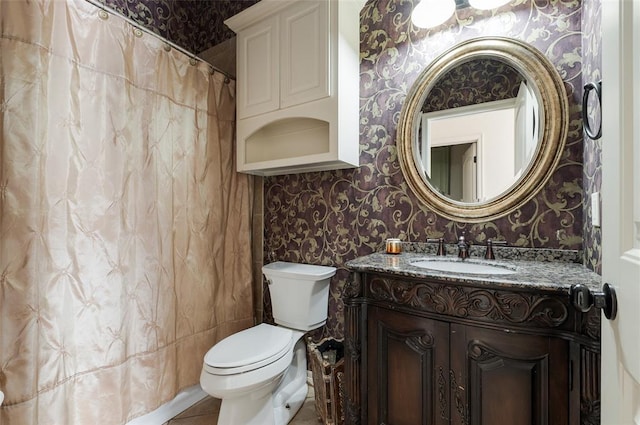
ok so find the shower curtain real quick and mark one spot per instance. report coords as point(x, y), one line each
point(124, 229)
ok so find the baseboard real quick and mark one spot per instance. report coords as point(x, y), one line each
point(185, 399)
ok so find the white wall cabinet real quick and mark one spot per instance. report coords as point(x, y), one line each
point(297, 86)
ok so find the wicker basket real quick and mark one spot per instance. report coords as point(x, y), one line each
point(327, 369)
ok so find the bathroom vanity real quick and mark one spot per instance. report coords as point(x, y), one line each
point(432, 347)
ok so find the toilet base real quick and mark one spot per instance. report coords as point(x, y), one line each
point(284, 414)
point(249, 410)
point(290, 395)
point(262, 411)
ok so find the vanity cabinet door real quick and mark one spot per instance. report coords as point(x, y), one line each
point(499, 377)
point(408, 359)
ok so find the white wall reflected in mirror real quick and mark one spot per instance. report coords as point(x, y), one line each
point(475, 153)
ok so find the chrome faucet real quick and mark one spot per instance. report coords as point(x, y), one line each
point(463, 248)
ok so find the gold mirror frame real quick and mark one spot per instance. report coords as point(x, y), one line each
point(549, 89)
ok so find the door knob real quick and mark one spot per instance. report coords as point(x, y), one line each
point(583, 299)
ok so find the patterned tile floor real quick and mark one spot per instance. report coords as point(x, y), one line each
point(206, 411)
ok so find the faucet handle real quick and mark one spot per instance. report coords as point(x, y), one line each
point(463, 247)
point(440, 242)
point(489, 255)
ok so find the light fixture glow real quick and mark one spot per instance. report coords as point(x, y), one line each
point(487, 4)
point(431, 13)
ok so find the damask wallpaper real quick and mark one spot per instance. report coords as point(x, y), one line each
point(332, 217)
point(194, 25)
point(476, 81)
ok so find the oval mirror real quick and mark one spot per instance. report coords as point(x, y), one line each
point(483, 128)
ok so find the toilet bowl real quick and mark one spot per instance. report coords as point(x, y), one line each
point(260, 373)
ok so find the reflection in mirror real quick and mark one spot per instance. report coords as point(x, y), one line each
point(478, 130)
point(482, 128)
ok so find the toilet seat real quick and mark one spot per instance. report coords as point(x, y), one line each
point(249, 349)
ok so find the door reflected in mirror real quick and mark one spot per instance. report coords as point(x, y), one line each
point(478, 130)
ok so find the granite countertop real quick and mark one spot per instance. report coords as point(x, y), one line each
point(548, 275)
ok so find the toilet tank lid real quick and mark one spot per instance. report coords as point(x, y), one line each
point(298, 271)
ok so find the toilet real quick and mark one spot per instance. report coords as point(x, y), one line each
point(260, 373)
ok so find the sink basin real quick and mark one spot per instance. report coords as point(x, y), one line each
point(458, 266)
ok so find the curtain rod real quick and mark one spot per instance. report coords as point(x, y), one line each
point(99, 4)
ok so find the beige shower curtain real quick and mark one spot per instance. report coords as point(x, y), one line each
point(124, 230)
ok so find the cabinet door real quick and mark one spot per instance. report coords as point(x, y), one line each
point(304, 52)
point(408, 362)
point(498, 377)
point(258, 68)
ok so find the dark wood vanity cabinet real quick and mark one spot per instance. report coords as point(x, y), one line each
point(508, 379)
point(422, 352)
point(407, 356)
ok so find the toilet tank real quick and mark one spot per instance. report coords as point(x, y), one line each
point(299, 294)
